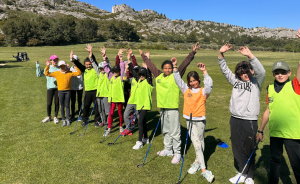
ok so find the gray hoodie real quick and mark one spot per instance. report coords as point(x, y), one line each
point(244, 102)
point(77, 81)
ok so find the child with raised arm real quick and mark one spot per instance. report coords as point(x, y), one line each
point(282, 113)
point(52, 92)
point(167, 93)
point(116, 92)
point(244, 108)
point(194, 102)
point(63, 78)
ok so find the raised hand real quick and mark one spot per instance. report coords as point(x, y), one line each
point(103, 50)
point(129, 51)
point(201, 66)
point(144, 65)
point(174, 61)
point(225, 48)
point(196, 47)
point(147, 54)
point(71, 54)
point(47, 62)
point(126, 67)
point(140, 51)
point(298, 34)
point(121, 51)
point(246, 52)
point(89, 49)
point(128, 57)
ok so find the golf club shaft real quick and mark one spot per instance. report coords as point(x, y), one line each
point(187, 135)
point(78, 117)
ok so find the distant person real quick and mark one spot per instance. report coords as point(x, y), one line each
point(244, 108)
point(282, 113)
point(52, 92)
point(64, 78)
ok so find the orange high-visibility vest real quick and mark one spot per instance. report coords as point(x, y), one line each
point(194, 103)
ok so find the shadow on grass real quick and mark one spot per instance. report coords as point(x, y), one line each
point(10, 66)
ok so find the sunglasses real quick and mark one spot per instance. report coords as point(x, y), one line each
point(281, 72)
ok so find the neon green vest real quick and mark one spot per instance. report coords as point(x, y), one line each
point(103, 86)
point(144, 95)
point(132, 98)
point(284, 120)
point(90, 79)
point(167, 92)
point(116, 90)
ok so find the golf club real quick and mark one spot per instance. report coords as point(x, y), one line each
point(133, 117)
point(248, 160)
point(187, 135)
point(106, 124)
point(77, 120)
point(88, 120)
point(141, 165)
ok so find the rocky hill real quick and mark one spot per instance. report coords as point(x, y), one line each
point(147, 22)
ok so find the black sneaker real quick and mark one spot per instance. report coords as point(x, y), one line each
point(83, 124)
point(97, 124)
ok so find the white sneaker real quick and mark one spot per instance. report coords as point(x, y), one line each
point(46, 119)
point(249, 181)
point(176, 159)
point(121, 129)
point(242, 179)
point(107, 132)
point(194, 168)
point(145, 141)
point(165, 153)
point(138, 145)
point(208, 176)
point(56, 120)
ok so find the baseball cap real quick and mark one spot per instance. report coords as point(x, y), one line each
point(75, 57)
point(116, 69)
point(61, 63)
point(143, 71)
point(53, 57)
point(281, 65)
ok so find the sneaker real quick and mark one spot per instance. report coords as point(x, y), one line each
point(83, 124)
point(208, 176)
point(46, 119)
point(96, 124)
point(236, 177)
point(176, 159)
point(121, 129)
point(56, 120)
point(249, 181)
point(131, 127)
point(194, 168)
point(64, 123)
point(107, 132)
point(126, 132)
point(102, 124)
point(72, 119)
point(145, 141)
point(138, 145)
point(68, 123)
point(79, 118)
point(165, 153)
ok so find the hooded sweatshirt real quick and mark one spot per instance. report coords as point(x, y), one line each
point(244, 102)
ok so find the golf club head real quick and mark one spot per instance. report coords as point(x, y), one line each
point(81, 134)
point(109, 144)
point(72, 133)
point(101, 141)
point(178, 182)
point(141, 165)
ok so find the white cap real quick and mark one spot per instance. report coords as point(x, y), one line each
point(75, 57)
point(61, 63)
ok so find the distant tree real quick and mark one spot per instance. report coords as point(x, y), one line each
point(192, 37)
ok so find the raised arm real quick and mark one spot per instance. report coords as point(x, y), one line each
point(223, 66)
point(208, 82)
point(258, 68)
point(47, 73)
point(187, 60)
point(150, 65)
point(39, 72)
point(122, 67)
point(149, 74)
point(179, 82)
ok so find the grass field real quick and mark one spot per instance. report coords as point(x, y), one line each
point(32, 152)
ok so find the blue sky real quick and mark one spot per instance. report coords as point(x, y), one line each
point(251, 13)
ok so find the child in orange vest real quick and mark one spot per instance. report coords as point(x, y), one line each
point(194, 102)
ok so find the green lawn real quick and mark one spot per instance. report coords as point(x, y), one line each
point(32, 152)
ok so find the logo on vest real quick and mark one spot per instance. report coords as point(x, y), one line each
point(158, 80)
point(190, 95)
point(279, 64)
point(271, 99)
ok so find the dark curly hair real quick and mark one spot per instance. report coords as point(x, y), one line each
point(195, 76)
point(87, 60)
point(243, 67)
point(165, 63)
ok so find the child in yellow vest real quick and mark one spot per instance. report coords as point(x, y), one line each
point(194, 102)
point(167, 93)
point(63, 79)
point(282, 113)
point(116, 92)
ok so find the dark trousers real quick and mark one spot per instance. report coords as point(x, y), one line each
point(142, 124)
point(292, 148)
point(64, 98)
point(89, 98)
point(73, 101)
point(243, 140)
point(52, 93)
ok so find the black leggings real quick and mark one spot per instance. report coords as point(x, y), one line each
point(142, 124)
point(52, 93)
point(73, 101)
point(64, 98)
